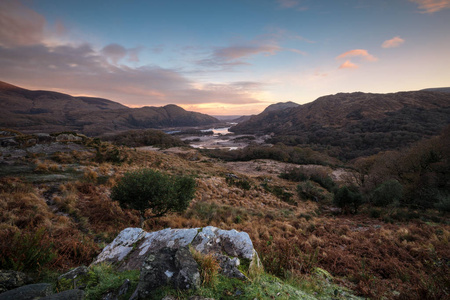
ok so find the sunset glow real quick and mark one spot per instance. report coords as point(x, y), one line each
point(224, 57)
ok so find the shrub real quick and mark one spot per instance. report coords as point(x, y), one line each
point(28, 251)
point(149, 189)
point(348, 199)
point(444, 203)
point(388, 193)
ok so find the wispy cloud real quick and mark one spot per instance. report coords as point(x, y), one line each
point(359, 54)
point(432, 6)
point(82, 70)
point(348, 65)
point(364, 54)
point(116, 52)
point(20, 25)
point(393, 43)
point(296, 4)
point(27, 58)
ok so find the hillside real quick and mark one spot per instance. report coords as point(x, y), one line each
point(280, 106)
point(34, 111)
point(355, 124)
point(58, 214)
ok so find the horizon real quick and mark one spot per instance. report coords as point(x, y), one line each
point(224, 58)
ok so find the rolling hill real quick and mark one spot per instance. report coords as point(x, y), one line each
point(34, 111)
point(355, 124)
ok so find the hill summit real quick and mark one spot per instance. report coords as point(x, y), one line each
point(355, 124)
point(34, 111)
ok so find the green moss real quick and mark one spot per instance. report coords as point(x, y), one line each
point(108, 279)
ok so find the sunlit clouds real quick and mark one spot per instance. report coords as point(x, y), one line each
point(364, 54)
point(432, 6)
point(19, 25)
point(359, 54)
point(223, 57)
point(348, 65)
point(393, 43)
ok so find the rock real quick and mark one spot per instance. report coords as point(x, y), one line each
point(28, 292)
point(13, 279)
point(199, 298)
point(74, 279)
point(64, 137)
point(168, 267)
point(8, 143)
point(164, 257)
point(75, 294)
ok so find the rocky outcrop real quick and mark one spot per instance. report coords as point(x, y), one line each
point(28, 292)
point(12, 279)
point(164, 257)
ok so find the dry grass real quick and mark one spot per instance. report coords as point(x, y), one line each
point(209, 267)
point(367, 255)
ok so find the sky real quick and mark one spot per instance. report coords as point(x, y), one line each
point(224, 57)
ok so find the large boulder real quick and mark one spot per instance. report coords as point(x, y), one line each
point(164, 257)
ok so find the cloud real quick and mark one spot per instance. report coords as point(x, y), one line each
point(34, 55)
point(116, 52)
point(286, 4)
point(348, 65)
point(432, 6)
point(20, 25)
point(393, 43)
point(236, 52)
point(364, 54)
point(83, 70)
point(228, 57)
point(231, 56)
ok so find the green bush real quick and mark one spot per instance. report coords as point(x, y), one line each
point(443, 204)
point(388, 193)
point(348, 199)
point(149, 189)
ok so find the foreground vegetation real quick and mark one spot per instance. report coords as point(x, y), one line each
point(59, 214)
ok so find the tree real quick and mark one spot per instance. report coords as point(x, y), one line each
point(388, 193)
point(149, 189)
point(348, 198)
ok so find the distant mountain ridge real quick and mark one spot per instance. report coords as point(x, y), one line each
point(441, 89)
point(33, 111)
point(361, 123)
point(280, 106)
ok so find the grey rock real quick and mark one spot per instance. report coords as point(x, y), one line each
point(28, 292)
point(168, 267)
point(12, 279)
point(76, 278)
point(68, 138)
point(75, 294)
point(164, 257)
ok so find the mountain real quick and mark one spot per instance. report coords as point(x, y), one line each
point(355, 124)
point(280, 106)
point(34, 111)
point(441, 89)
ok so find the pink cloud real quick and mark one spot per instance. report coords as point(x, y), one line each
point(288, 3)
point(392, 43)
point(431, 6)
point(348, 65)
point(358, 53)
point(20, 25)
